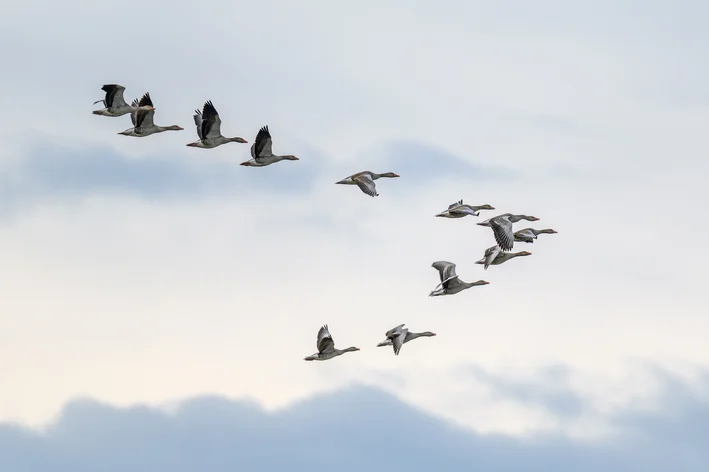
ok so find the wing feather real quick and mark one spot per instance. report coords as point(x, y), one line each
point(502, 229)
point(325, 341)
point(262, 144)
point(366, 184)
point(211, 123)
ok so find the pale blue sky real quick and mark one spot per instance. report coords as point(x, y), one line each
point(140, 271)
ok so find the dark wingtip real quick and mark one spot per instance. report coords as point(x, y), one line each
point(145, 100)
point(208, 106)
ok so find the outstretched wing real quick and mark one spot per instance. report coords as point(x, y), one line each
point(114, 95)
point(134, 113)
point(490, 255)
point(452, 205)
point(325, 341)
point(198, 122)
point(262, 144)
point(502, 229)
point(366, 184)
point(144, 118)
point(445, 269)
point(211, 123)
point(398, 340)
point(394, 330)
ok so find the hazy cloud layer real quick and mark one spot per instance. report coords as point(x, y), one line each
point(357, 428)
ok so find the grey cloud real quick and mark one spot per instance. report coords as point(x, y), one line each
point(49, 171)
point(420, 161)
point(355, 429)
point(548, 389)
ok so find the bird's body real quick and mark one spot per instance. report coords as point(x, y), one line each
point(528, 235)
point(114, 103)
point(365, 181)
point(209, 128)
point(143, 120)
point(399, 336)
point(502, 228)
point(326, 347)
point(494, 256)
point(460, 210)
point(261, 153)
point(450, 282)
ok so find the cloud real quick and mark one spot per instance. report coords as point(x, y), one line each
point(353, 429)
point(549, 389)
point(52, 170)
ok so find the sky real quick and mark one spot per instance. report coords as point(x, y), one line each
point(146, 283)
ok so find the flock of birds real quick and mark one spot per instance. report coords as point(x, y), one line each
point(208, 124)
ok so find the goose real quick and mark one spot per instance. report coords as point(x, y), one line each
point(365, 181)
point(528, 235)
point(450, 283)
point(399, 336)
point(460, 209)
point(209, 128)
point(502, 228)
point(493, 256)
point(326, 347)
point(114, 103)
point(261, 151)
point(143, 120)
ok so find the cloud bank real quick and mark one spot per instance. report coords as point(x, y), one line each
point(353, 429)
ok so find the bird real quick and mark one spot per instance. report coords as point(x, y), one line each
point(450, 283)
point(460, 209)
point(326, 347)
point(399, 336)
point(493, 256)
point(143, 120)
point(114, 103)
point(261, 151)
point(365, 181)
point(209, 129)
point(528, 235)
point(502, 228)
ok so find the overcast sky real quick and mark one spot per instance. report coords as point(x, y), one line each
point(144, 272)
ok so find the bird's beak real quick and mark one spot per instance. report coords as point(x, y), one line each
point(397, 175)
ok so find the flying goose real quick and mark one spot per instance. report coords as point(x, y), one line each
point(528, 235)
point(114, 103)
point(261, 151)
point(143, 120)
point(450, 283)
point(399, 336)
point(326, 347)
point(502, 228)
point(209, 128)
point(494, 256)
point(460, 209)
point(365, 181)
